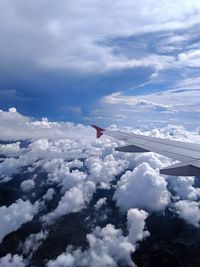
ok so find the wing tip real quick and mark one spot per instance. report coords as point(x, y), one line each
point(99, 130)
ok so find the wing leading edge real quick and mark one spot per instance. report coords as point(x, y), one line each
point(187, 153)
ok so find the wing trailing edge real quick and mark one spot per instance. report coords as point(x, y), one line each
point(188, 154)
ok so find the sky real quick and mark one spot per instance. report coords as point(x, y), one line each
point(123, 62)
point(65, 65)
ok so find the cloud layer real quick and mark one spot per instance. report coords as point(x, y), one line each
point(88, 25)
point(63, 171)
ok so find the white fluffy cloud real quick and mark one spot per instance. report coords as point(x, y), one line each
point(184, 187)
point(72, 201)
point(136, 223)
point(189, 211)
point(104, 170)
point(142, 188)
point(13, 216)
point(107, 246)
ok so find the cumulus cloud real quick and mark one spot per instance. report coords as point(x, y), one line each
point(13, 216)
point(75, 168)
point(8, 167)
point(100, 203)
point(72, 201)
point(107, 246)
point(68, 142)
point(132, 190)
point(65, 178)
point(104, 170)
point(62, 260)
point(12, 261)
point(27, 185)
point(136, 223)
point(184, 187)
point(10, 150)
point(49, 194)
point(189, 211)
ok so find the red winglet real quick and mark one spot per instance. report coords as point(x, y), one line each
point(99, 130)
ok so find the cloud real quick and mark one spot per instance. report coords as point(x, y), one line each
point(15, 126)
point(32, 243)
point(12, 261)
point(62, 260)
point(107, 246)
point(75, 166)
point(49, 194)
point(74, 200)
point(136, 223)
point(146, 46)
point(133, 102)
point(13, 216)
point(189, 83)
point(66, 178)
point(27, 185)
point(154, 107)
point(104, 170)
point(189, 211)
point(190, 58)
point(168, 100)
point(88, 25)
point(100, 203)
point(10, 150)
point(184, 187)
point(131, 190)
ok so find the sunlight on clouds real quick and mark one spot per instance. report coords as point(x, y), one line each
point(76, 167)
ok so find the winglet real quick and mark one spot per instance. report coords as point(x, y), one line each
point(99, 130)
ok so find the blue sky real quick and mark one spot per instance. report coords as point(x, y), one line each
point(122, 62)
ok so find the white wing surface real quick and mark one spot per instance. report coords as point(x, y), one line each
point(187, 153)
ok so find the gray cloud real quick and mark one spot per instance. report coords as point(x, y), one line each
point(68, 35)
point(12, 261)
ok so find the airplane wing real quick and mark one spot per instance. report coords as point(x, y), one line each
point(187, 153)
